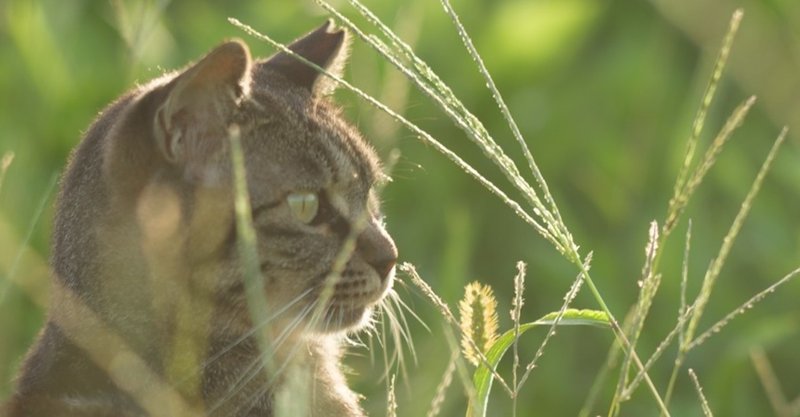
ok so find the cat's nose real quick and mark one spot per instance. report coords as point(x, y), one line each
point(378, 250)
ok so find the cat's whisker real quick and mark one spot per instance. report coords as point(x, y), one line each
point(366, 336)
point(393, 317)
point(403, 306)
point(251, 402)
point(381, 338)
point(257, 365)
point(397, 333)
point(257, 327)
point(405, 331)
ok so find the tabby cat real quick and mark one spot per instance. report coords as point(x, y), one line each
point(150, 313)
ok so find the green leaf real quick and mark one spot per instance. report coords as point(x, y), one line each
point(483, 377)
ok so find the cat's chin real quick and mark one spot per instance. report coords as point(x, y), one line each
point(340, 319)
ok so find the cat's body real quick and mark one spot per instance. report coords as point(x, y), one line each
point(150, 315)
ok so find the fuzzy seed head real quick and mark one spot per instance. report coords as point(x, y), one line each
point(478, 311)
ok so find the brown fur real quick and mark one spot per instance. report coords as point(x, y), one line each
point(149, 316)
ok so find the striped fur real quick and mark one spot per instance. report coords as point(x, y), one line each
point(150, 316)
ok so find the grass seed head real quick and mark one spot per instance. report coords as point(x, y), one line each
point(478, 313)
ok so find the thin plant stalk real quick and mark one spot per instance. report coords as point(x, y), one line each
point(247, 247)
point(516, 313)
point(619, 333)
point(769, 380)
point(656, 355)
point(441, 389)
point(391, 400)
point(679, 196)
point(749, 304)
point(467, 40)
point(703, 402)
point(688, 180)
point(683, 315)
point(37, 215)
point(461, 366)
point(648, 284)
point(716, 265)
point(683, 310)
point(597, 385)
point(568, 298)
point(5, 162)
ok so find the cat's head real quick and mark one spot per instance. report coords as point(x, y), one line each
point(311, 178)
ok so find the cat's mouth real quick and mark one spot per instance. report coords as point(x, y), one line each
point(351, 299)
point(357, 291)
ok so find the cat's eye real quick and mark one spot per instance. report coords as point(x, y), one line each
point(304, 206)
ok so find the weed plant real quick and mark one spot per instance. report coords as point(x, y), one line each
point(482, 348)
point(475, 341)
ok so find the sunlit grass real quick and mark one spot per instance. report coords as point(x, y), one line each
point(8, 157)
point(525, 191)
point(542, 211)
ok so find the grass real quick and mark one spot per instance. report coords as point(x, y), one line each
point(526, 192)
point(541, 212)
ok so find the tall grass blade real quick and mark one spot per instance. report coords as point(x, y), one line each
point(700, 117)
point(441, 389)
point(680, 201)
point(683, 309)
point(678, 331)
point(590, 402)
point(703, 402)
point(8, 157)
point(498, 98)
point(770, 382)
point(749, 304)
point(461, 366)
point(716, 266)
point(648, 286)
point(516, 317)
point(662, 347)
point(391, 400)
point(37, 215)
point(247, 247)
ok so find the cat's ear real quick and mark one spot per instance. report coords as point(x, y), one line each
point(191, 124)
point(326, 47)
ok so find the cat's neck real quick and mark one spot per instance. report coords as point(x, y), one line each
point(301, 378)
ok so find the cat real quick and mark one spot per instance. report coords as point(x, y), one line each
point(150, 314)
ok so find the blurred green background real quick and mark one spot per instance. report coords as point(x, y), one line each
point(604, 92)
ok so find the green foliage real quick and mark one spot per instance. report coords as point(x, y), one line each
point(604, 95)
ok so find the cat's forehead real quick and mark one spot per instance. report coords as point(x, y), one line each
point(309, 148)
